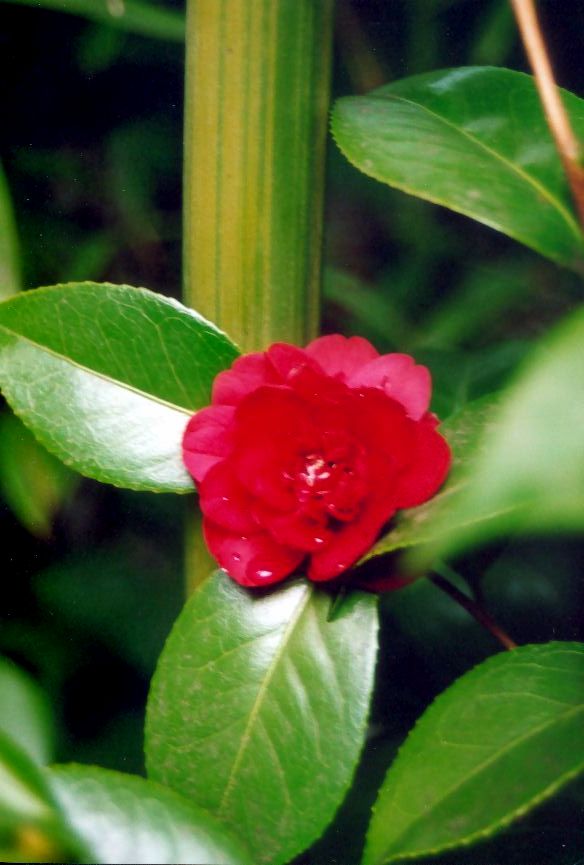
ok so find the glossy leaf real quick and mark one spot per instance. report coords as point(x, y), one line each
point(31, 827)
point(498, 742)
point(106, 377)
point(126, 819)
point(25, 715)
point(136, 16)
point(475, 140)
point(9, 251)
point(528, 472)
point(422, 524)
point(33, 483)
point(258, 708)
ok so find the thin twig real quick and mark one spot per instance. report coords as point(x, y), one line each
point(567, 144)
point(480, 614)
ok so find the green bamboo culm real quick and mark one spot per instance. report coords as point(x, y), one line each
point(257, 94)
point(256, 117)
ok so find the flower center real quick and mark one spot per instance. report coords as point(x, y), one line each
point(328, 484)
point(316, 475)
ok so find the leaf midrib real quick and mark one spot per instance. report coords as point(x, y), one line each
point(509, 165)
point(259, 699)
point(103, 376)
point(477, 771)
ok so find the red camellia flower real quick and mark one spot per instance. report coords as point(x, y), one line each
point(305, 454)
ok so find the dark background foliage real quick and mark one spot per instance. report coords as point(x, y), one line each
point(91, 145)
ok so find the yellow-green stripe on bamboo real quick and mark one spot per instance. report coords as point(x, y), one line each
point(257, 88)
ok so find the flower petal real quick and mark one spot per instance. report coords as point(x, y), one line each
point(294, 529)
point(430, 464)
point(351, 541)
point(272, 425)
point(400, 378)
point(354, 538)
point(207, 439)
point(246, 374)
point(224, 501)
point(289, 360)
point(254, 560)
point(382, 426)
point(340, 356)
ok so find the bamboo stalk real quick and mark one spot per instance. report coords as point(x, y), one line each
point(257, 90)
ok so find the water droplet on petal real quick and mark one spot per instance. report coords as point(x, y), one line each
point(236, 557)
point(264, 574)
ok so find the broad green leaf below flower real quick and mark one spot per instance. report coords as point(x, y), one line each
point(498, 742)
point(474, 139)
point(258, 709)
point(106, 377)
point(126, 819)
point(25, 713)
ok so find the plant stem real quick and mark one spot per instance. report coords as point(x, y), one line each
point(475, 610)
point(568, 146)
point(257, 92)
point(256, 104)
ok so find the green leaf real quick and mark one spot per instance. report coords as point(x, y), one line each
point(528, 470)
point(31, 827)
point(498, 742)
point(423, 524)
point(106, 377)
point(258, 708)
point(9, 252)
point(136, 16)
point(33, 483)
point(475, 140)
point(126, 819)
point(25, 715)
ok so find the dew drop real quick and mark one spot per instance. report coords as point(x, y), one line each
point(264, 574)
point(236, 557)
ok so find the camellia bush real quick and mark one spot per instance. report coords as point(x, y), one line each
point(355, 504)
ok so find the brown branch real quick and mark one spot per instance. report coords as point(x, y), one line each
point(568, 146)
point(472, 607)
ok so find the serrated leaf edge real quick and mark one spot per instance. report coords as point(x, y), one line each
point(501, 823)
